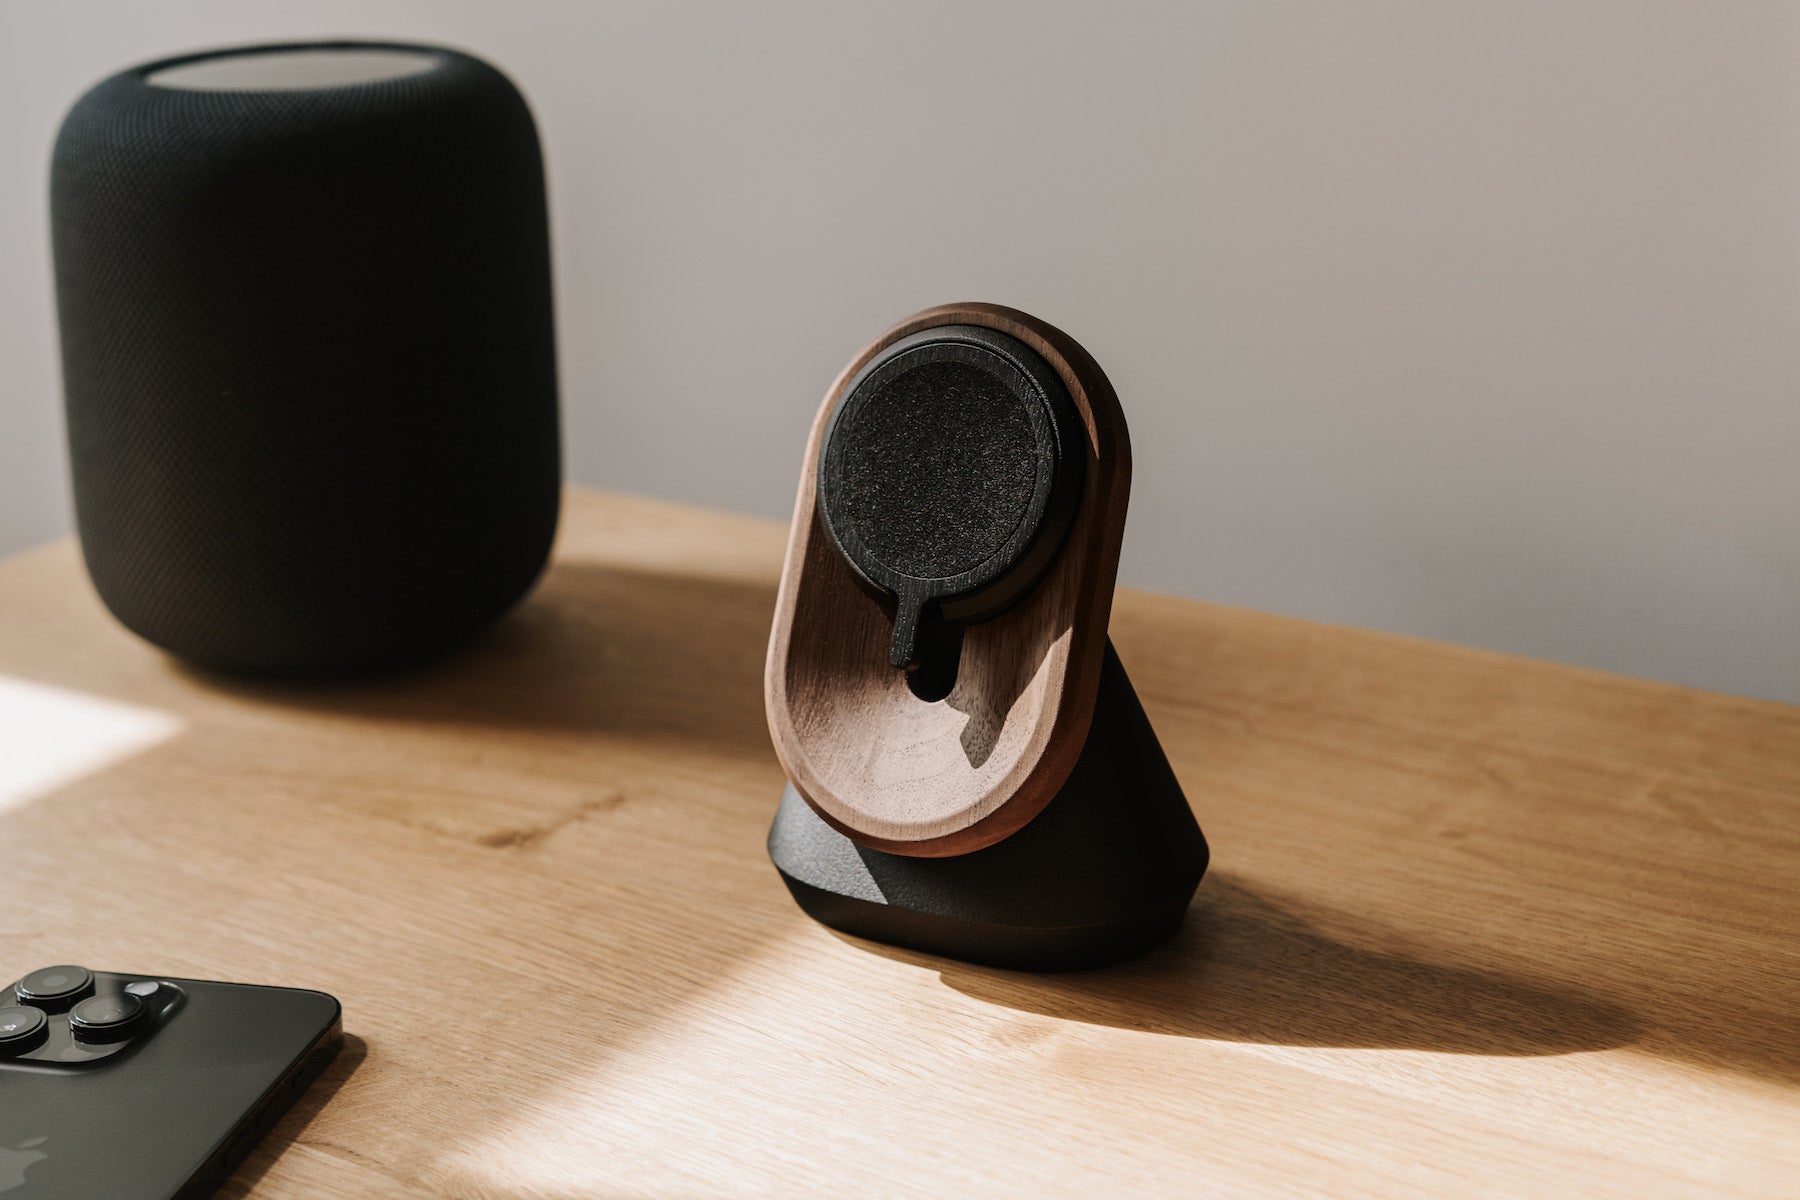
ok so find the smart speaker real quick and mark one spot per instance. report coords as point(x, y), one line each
point(304, 295)
point(971, 774)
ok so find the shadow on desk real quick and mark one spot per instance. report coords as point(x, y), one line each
point(1242, 969)
point(292, 1124)
point(596, 648)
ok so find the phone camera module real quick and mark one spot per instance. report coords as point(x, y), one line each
point(22, 1030)
point(109, 1018)
point(54, 989)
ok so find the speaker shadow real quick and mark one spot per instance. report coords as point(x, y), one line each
point(595, 648)
point(1243, 969)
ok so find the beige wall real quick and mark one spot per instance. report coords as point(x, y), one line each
point(1473, 321)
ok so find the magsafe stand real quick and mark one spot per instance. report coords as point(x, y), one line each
point(1104, 872)
point(1027, 817)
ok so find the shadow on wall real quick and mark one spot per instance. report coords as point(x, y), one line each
point(1243, 970)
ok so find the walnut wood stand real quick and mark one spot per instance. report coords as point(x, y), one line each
point(1029, 818)
point(1104, 872)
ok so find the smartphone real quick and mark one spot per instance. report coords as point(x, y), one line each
point(134, 1087)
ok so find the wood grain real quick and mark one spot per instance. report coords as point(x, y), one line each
point(1476, 926)
point(932, 779)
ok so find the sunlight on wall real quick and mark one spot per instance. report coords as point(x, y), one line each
point(50, 736)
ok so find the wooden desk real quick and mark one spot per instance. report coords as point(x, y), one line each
point(1475, 925)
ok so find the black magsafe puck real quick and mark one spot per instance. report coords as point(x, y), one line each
point(950, 474)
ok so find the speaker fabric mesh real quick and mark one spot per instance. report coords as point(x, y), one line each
point(948, 474)
point(935, 430)
point(309, 364)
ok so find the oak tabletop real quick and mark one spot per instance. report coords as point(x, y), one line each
point(1475, 925)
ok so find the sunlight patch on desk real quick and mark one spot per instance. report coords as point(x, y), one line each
point(50, 737)
point(680, 1103)
point(817, 1065)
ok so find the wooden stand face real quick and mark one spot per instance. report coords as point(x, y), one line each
point(899, 774)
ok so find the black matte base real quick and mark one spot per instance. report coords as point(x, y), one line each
point(1104, 872)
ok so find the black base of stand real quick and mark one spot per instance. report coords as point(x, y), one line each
point(1104, 872)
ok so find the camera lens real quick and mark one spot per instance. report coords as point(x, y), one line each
point(22, 1029)
point(110, 1018)
point(55, 988)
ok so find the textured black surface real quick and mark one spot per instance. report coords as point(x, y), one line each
point(308, 362)
point(937, 468)
point(1104, 872)
point(949, 476)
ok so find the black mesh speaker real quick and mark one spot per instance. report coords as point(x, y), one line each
point(308, 356)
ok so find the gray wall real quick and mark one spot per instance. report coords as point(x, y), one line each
point(1473, 321)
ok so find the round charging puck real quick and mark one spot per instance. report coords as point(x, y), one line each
point(950, 474)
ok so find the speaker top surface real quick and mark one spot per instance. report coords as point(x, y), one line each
point(198, 116)
point(292, 68)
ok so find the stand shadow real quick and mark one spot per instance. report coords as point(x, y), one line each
point(1242, 969)
point(594, 648)
point(293, 1123)
point(988, 698)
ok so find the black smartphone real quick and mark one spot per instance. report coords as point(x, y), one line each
point(134, 1087)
